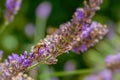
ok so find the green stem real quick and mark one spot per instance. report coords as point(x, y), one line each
point(33, 66)
point(3, 27)
point(66, 73)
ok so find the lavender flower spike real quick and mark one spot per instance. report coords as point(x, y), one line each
point(70, 35)
point(15, 64)
point(63, 40)
point(12, 7)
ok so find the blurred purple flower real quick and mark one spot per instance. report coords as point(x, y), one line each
point(113, 62)
point(93, 77)
point(106, 75)
point(102, 75)
point(55, 78)
point(1, 54)
point(43, 10)
point(108, 59)
point(70, 66)
point(12, 7)
point(30, 30)
point(112, 30)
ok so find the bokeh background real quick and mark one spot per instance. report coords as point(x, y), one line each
point(20, 36)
